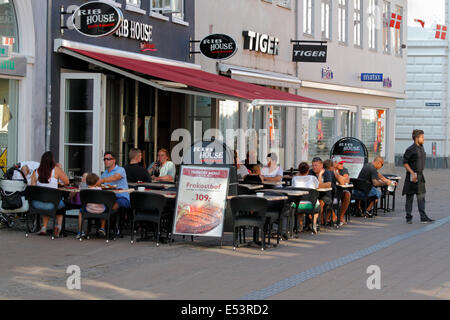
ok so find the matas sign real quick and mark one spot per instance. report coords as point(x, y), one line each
point(310, 53)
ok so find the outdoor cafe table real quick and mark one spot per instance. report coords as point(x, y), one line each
point(151, 185)
point(68, 189)
point(252, 186)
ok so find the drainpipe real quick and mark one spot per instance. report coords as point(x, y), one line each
point(48, 109)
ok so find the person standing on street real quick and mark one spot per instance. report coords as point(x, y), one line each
point(414, 163)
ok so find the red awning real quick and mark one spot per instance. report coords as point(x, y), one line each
point(199, 79)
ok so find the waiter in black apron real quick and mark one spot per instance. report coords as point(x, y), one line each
point(414, 162)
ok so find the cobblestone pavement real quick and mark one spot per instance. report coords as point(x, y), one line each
point(414, 267)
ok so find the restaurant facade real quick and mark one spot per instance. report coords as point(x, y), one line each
point(22, 81)
point(98, 107)
point(363, 76)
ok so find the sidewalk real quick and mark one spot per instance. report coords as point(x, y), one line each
point(410, 269)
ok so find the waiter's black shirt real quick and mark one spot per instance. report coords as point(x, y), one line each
point(137, 173)
point(415, 156)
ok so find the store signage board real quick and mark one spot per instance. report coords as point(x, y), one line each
point(310, 53)
point(372, 77)
point(432, 104)
point(353, 152)
point(260, 42)
point(97, 19)
point(201, 201)
point(209, 153)
point(218, 47)
point(16, 66)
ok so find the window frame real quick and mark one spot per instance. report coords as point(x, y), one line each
point(308, 17)
point(326, 27)
point(358, 18)
point(387, 46)
point(343, 21)
point(372, 24)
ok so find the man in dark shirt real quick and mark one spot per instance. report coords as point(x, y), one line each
point(325, 178)
point(134, 170)
point(370, 174)
point(414, 163)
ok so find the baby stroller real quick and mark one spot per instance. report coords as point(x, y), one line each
point(13, 202)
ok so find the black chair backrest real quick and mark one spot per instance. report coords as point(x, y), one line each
point(147, 202)
point(245, 191)
point(44, 194)
point(312, 195)
point(247, 205)
point(275, 205)
point(361, 185)
point(249, 179)
point(108, 198)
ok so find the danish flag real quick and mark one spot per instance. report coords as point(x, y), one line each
point(396, 21)
point(441, 32)
point(422, 23)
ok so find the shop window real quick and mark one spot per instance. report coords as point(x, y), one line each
point(373, 128)
point(8, 124)
point(199, 109)
point(321, 127)
point(228, 115)
point(8, 23)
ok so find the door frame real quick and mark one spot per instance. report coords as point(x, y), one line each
point(99, 100)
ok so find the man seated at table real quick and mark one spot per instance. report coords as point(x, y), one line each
point(115, 175)
point(272, 172)
point(370, 174)
point(162, 170)
point(342, 177)
point(135, 172)
point(325, 178)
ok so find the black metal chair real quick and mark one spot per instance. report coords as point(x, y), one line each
point(108, 199)
point(274, 213)
point(249, 179)
point(43, 194)
point(364, 187)
point(242, 190)
point(312, 197)
point(147, 207)
point(249, 211)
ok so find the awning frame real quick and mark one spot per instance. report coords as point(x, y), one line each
point(176, 89)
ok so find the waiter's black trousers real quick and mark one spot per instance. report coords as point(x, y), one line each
point(420, 204)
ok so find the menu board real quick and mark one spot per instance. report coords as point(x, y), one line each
point(353, 152)
point(201, 201)
point(354, 165)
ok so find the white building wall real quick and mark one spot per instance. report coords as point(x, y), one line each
point(427, 82)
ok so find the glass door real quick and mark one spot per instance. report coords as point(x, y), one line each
point(82, 122)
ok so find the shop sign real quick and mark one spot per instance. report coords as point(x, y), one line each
point(372, 77)
point(354, 154)
point(97, 19)
point(432, 104)
point(135, 30)
point(387, 83)
point(327, 73)
point(16, 66)
point(260, 42)
point(310, 53)
point(201, 201)
point(218, 47)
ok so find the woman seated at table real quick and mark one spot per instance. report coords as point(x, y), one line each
point(165, 167)
point(47, 175)
point(242, 171)
point(303, 180)
point(273, 172)
point(95, 208)
point(254, 175)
